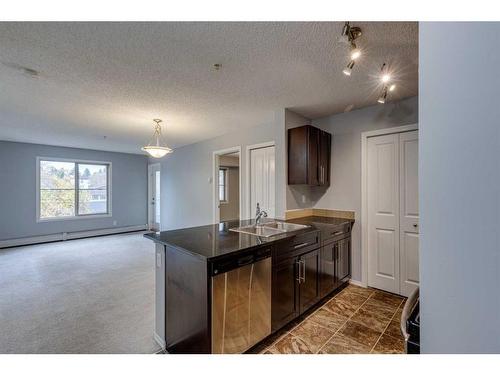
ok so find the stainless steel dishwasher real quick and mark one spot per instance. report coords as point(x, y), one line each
point(241, 301)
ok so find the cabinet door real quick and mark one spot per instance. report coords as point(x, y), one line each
point(343, 259)
point(313, 162)
point(309, 280)
point(327, 269)
point(325, 141)
point(284, 292)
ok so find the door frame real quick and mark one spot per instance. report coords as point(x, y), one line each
point(215, 180)
point(150, 192)
point(364, 190)
point(248, 150)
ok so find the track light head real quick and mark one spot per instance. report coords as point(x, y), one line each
point(382, 97)
point(348, 69)
point(355, 51)
point(392, 87)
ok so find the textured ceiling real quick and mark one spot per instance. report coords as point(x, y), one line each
point(100, 84)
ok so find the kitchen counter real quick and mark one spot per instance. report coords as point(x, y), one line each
point(216, 240)
point(197, 268)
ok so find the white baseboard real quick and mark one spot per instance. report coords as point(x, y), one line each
point(357, 283)
point(69, 236)
point(160, 341)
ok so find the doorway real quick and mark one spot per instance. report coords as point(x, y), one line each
point(154, 195)
point(261, 179)
point(391, 215)
point(227, 185)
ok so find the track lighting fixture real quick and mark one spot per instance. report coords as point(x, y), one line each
point(352, 33)
point(382, 96)
point(348, 69)
point(385, 78)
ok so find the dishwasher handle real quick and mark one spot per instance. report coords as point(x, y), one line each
point(232, 262)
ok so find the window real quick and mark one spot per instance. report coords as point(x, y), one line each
point(222, 184)
point(72, 189)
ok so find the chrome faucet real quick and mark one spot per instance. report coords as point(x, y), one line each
point(259, 214)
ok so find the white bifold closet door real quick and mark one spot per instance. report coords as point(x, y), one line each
point(262, 180)
point(392, 178)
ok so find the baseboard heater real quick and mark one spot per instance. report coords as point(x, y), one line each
point(69, 236)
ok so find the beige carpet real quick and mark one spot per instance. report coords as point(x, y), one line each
point(91, 295)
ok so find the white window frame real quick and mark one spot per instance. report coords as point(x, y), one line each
point(226, 181)
point(76, 216)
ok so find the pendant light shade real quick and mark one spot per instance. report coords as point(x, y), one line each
point(154, 147)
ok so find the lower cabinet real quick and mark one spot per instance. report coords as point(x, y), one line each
point(335, 265)
point(295, 287)
point(309, 280)
point(343, 260)
point(284, 292)
point(301, 279)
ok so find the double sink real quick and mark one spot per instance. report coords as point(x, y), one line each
point(270, 229)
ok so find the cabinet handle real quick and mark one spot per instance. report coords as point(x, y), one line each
point(337, 233)
point(302, 271)
point(298, 271)
point(300, 245)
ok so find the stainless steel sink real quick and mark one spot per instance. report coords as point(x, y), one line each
point(285, 227)
point(269, 229)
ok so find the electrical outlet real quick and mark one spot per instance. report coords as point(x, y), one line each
point(303, 198)
point(115, 222)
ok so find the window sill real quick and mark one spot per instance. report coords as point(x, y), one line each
point(65, 218)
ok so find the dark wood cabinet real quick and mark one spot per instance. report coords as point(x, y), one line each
point(343, 260)
point(309, 280)
point(335, 265)
point(284, 301)
point(309, 155)
point(295, 279)
point(327, 269)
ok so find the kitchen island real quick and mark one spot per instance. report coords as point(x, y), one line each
point(221, 291)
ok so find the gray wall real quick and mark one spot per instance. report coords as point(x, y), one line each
point(187, 192)
point(344, 192)
point(18, 190)
point(460, 187)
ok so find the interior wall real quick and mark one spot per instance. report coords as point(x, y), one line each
point(459, 187)
point(187, 190)
point(344, 192)
point(18, 190)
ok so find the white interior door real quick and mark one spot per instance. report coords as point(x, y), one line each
point(262, 180)
point(409, 237)
point(154, 203)
point(383, 211)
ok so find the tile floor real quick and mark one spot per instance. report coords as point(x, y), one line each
point(356, 320)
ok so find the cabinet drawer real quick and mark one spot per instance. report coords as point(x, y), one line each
point(305, 241)
point(300, 244)
point(335, 232)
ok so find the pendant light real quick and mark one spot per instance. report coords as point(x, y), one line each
point(154, 147)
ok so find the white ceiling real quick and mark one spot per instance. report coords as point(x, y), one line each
point(101, 84)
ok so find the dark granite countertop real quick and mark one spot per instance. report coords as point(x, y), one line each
point(216, 240)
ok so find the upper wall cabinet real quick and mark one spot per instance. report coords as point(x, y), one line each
point(309, 151)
